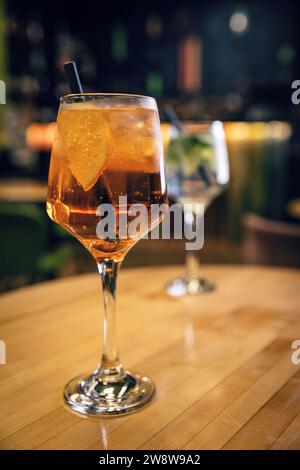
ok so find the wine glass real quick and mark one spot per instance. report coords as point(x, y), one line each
point(197, 172)
point(107, 147)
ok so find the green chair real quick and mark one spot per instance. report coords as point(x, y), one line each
point(22, 240)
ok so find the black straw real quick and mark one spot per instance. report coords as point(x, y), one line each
point(76, 87)
point(173, 118)
point(73, 77)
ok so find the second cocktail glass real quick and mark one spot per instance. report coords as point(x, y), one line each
point(198, 171)
point(106, 146)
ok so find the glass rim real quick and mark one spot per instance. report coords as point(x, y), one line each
point(131, 96)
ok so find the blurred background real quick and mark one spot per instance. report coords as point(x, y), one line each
point(226, 60)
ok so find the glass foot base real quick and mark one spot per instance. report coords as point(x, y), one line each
point(95, 395)
point(184, 286)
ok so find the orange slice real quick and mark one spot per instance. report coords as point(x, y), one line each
point(83, 136)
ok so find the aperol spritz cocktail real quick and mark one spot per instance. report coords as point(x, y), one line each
point(101, 152)
point(106, 146)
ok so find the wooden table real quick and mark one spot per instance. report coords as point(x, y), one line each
point(22, 190)
point(221, 361)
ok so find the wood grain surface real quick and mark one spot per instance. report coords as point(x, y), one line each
point(221, 361)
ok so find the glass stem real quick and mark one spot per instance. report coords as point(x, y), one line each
point(191, 259)
point(110, 365)
point(192, 265)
